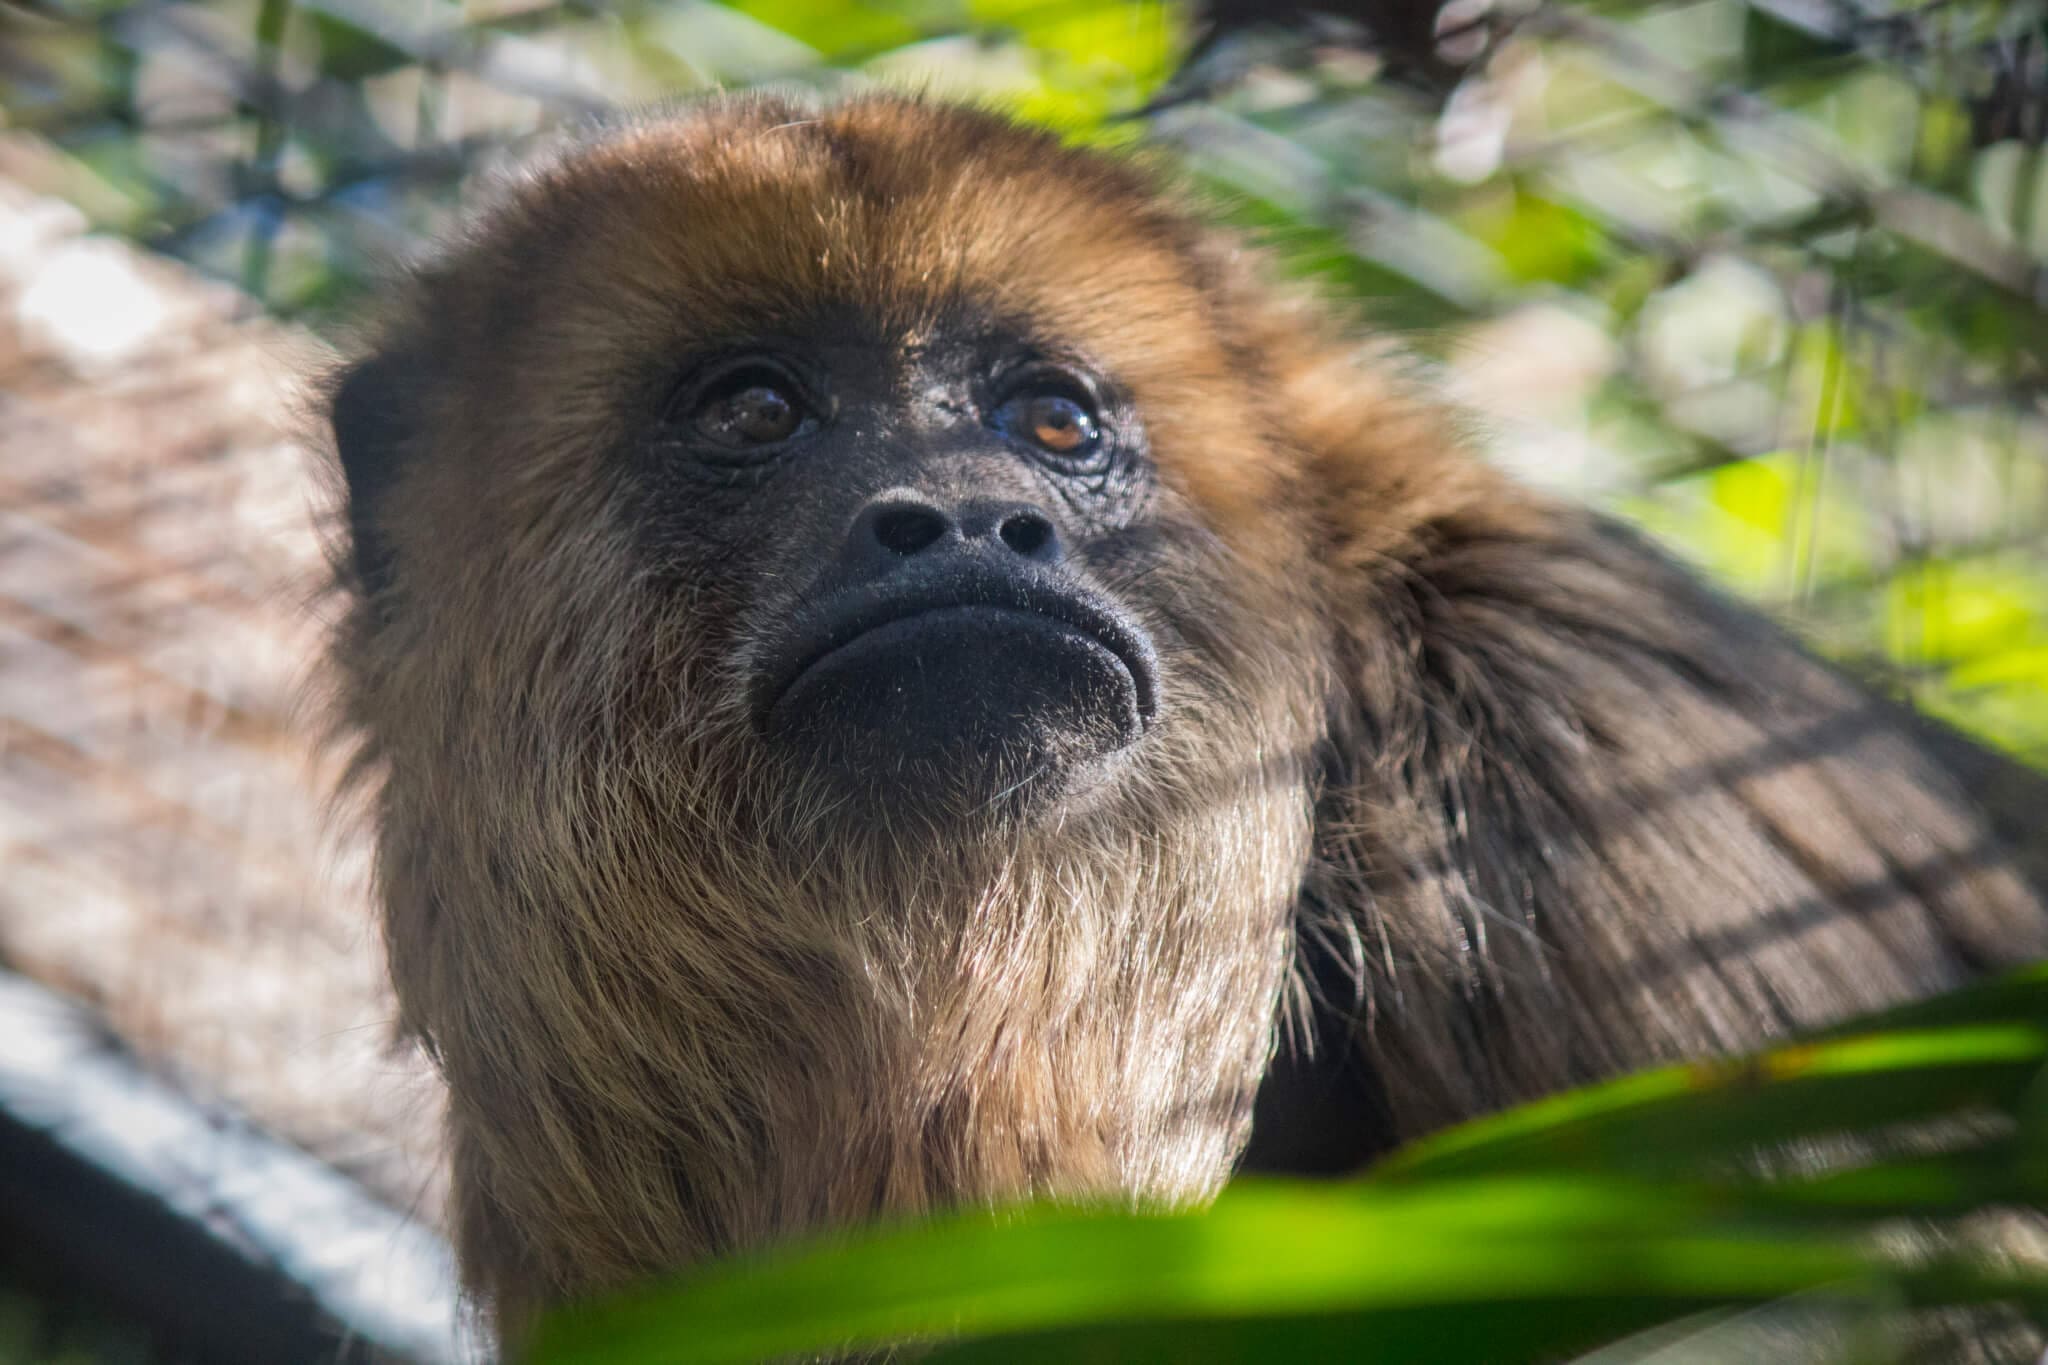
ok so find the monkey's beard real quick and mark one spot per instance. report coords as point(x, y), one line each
point(710, 1007)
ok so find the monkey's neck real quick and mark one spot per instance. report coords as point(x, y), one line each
point(1092, 1026)
point(710, 1071)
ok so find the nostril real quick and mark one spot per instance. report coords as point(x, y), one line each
point(1028, 533)
point(907, 530)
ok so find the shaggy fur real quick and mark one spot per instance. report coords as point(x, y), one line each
point(1518, 801)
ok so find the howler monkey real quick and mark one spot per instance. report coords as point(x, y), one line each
point(893, 657)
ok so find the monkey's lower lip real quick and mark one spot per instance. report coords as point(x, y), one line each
point(943, 667)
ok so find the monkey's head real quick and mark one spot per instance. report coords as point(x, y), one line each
point(837, 618)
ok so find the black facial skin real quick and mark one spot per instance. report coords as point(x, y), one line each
point(911, 530)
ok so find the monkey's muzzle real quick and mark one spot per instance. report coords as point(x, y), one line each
point(984, 674)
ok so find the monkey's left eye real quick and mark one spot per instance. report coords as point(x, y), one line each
point(1056, 419)
point(754, 406)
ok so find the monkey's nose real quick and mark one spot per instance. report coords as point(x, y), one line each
point(897, 526)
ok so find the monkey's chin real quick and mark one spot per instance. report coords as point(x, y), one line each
point(962, 710)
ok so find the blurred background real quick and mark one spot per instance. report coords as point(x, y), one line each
point(1767, 276)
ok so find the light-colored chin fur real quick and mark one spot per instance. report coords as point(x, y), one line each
point(741, 1011)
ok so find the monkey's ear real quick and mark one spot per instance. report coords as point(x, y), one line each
point(373, 415)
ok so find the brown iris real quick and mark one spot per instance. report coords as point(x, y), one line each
point(1059, 423)
point(759, 413)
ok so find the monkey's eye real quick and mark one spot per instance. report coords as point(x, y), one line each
point(1059, 424)
point(1057, 419)
point(753, 406)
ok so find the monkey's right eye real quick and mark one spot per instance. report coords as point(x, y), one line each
point(751, 407)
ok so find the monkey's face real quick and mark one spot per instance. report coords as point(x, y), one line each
point(945, 499)
point(925, 529)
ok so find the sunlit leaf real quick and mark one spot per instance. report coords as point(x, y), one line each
point(836, 28)
point(1539, 239)
point(1264, 1250)
point(1667, 1118)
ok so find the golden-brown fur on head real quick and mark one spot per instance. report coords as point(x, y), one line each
point(1559, 808)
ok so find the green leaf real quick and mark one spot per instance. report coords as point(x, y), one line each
point(1774, 48)
point(2019, 997)
point(352, 53)
point(836, 28)
point(1264, 1250)
point(1539, 240)
point(1703, 1110)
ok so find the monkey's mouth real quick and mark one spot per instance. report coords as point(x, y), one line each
point(960, 665)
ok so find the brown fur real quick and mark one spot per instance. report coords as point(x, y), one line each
point(1540, 803)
